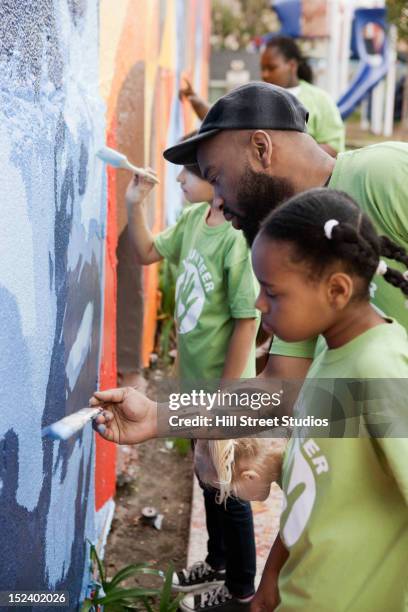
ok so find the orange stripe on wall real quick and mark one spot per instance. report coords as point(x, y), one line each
point(131, 49)
point(164, 91)
point(140, 41)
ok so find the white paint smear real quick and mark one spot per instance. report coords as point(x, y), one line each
point(80, 348)
point(60, 536)
point(16, 237)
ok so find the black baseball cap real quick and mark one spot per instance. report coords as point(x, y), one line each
point(250, 107)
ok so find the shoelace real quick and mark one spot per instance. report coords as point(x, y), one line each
point(197, 570)
point(216, 596)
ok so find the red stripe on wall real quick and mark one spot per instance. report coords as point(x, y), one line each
point(105, 460)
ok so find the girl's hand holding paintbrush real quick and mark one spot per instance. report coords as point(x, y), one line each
point(128, 417)
point(119, 160)
point(138, 189)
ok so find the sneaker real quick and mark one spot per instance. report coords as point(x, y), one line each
point(217, 598)
point(198, 576)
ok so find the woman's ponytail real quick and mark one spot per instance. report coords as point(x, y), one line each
point(305, 72)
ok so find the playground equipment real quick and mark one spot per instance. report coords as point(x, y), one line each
point(360, 27)
point(289, 13)
point(374, 81)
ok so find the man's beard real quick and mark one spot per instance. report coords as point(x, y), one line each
point(257, 195)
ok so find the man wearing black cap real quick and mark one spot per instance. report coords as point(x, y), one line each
point(253, 148)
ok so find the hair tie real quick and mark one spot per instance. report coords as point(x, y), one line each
point(328, 228)
point(381, 268)
point(405, 275)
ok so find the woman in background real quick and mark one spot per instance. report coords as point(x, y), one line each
point(282, 64)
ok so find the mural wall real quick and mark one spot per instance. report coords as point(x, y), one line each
point(51, 278)
point(73, 74)
point(146, 46)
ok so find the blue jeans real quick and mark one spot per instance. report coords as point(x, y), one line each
point(231, 542)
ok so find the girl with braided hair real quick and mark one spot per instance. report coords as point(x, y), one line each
point(343, 536)
point(349, 240)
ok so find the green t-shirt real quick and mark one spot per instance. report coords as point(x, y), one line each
point(377, 178)
point(215, 285)
point(325, 124)
point(345, 517)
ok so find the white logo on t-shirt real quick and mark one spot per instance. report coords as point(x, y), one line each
point(300, 493)
point(191, 287)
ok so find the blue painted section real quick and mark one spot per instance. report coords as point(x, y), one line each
point(372, 68)
point(52, 199)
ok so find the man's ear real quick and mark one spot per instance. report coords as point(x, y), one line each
point(261, 148)
point(340, 290)
point(250, 475)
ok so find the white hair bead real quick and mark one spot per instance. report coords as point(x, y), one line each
point(328, 227)
point(405, 275)
point(372, 289)
point(381, 268)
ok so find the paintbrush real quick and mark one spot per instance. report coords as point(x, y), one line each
point(119, 160)
point(69, 425)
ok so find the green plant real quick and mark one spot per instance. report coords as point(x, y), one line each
point(182, 446)
point(167, 602)
point(397, 12)
point(114, 598)
point(236, 22)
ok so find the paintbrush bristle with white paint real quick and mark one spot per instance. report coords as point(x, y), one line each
point(69, 425)
point(118, 160)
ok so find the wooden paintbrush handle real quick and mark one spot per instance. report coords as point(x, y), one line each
point(142, 172)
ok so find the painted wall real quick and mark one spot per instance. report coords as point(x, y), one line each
point(51, 274)
point(146, 45)
point(52, 242)
point(73, 73)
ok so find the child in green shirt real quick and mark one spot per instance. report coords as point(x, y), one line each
point(344, 528)
point(216, 327)
point(215, 288)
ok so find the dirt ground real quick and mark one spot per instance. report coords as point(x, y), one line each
point(150, 475)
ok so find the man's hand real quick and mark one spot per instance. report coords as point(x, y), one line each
point(128, 416)
point(138, 189)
